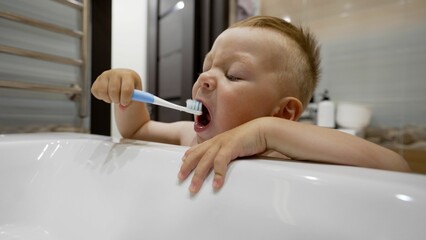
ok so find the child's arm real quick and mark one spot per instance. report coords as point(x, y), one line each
point(295, 140)
point(133, 121)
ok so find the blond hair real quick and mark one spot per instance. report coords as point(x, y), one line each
point(304, 67)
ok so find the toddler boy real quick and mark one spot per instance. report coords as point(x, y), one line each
point(256, 80)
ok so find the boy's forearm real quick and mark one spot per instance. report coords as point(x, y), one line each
point(131, 119)
point(308, 142)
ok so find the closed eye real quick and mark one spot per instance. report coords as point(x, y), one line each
point(232, 78)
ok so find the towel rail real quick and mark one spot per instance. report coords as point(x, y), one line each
point(75, 92)
point(85, 26)
point(39, 55)
point(41, 24)
point(72, 90)
point(72, 3)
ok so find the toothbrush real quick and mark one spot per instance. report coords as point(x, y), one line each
point(192, 106)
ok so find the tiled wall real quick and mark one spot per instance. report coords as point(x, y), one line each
point(373, 52)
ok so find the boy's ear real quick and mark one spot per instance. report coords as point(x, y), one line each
point(289, 108)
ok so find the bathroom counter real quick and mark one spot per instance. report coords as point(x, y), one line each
point(415, 157)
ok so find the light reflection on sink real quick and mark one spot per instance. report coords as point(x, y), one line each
point(77, 186)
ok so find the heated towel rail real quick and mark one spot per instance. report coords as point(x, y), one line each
point(76, 92)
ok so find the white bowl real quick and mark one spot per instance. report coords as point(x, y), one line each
point(353, 115)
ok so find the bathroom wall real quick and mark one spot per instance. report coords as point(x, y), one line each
point(129, 40)
point(373, 52)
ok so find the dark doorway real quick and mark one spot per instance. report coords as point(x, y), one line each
point(100, 113)
point(180, 33)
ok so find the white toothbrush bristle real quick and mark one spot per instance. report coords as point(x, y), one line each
point(195, 106)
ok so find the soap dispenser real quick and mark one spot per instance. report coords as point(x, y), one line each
point(326, 112)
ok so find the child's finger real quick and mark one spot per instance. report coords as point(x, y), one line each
point(127, 88)
point(220, 168)
point(202, 170)
point(114, 88)
point(100, 89)
point(189, 162)
point(218, 181)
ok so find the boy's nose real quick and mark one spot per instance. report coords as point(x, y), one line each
point(207, 81)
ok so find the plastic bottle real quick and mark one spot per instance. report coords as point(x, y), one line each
point(326, 112)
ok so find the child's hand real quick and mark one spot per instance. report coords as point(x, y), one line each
point(216, 153)
point(116, 86)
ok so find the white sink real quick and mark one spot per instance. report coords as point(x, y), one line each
point(79, 186)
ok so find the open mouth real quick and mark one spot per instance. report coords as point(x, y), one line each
point(204, 119)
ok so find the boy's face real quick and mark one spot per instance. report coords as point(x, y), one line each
point(239, 80)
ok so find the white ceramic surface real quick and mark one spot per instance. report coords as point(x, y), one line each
point(76, 186)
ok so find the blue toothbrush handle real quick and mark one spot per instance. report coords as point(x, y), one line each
point(142, 96)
